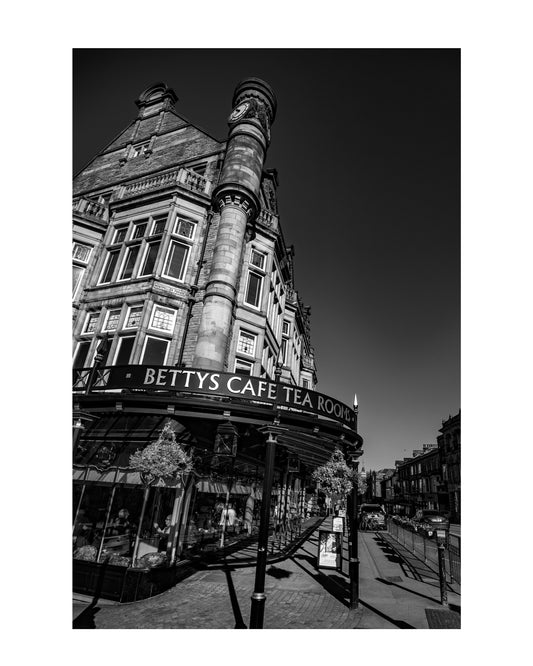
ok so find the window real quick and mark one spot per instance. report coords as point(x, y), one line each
point(163, 319)
point(305, 383)
point(124, 349)
point(90, 322)
point(81, 252)
point(286, 328)
point(246, 343)
point(80, 357)
point(109, 266)
point(176, 261)
point(111, 322)
point(283, 351)
point(77, 275)
point(184, 228)
point(129, 262)
point(243, 367)
point(140, 149)
point(133, 317)
point(155, 351)
point(253, 289)
point(80, 255)
point(139, 229)
point(159, 225)
point(150, 255)
point(257, 259)
point(120, 234)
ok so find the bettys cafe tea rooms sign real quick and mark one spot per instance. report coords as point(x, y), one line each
point(165, 378)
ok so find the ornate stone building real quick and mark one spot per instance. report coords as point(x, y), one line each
point(185, 313)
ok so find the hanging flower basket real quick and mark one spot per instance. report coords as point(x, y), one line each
point(335, 477)
point(163, 461)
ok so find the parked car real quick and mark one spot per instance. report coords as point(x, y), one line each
point(371, 516)
point(427, 521)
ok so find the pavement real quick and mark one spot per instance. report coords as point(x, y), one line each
point(396, 591)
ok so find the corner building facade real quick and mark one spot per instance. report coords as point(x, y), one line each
point(185, 314)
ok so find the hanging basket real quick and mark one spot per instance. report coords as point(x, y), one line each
point(163, 462)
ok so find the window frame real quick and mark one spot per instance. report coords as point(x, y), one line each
point(107, 261)
point(185, 263)
point(261, 279)
point(121, 338)
point(174, 313)
point(106, 320)
point(90, 315)
point(243, 362)
point(154, 337)
point(129, 249)
point(125, 327)
point(251, 335)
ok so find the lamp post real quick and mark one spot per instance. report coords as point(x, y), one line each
point(257, 609)
point(353, 535)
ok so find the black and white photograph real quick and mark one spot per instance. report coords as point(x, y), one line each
point(300, 273)
point(266, 339)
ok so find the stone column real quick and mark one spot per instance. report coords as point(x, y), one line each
point(236, 198)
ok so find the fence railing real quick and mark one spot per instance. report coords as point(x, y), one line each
point(427, 549)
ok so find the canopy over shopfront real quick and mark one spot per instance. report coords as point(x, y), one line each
point(250, 440)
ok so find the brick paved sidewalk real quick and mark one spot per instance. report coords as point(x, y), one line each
point(298, 596)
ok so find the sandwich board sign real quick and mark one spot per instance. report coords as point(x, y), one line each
point(329, 549)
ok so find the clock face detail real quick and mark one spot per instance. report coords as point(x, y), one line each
point(239, 111)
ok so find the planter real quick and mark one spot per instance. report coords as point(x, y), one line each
point(124, 584)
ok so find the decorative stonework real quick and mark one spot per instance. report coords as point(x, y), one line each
point(236, 199)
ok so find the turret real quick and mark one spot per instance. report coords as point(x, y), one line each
point(236, 198)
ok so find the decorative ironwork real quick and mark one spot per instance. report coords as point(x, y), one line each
point(226, 440)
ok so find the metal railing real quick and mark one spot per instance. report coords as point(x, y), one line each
point(426, 549)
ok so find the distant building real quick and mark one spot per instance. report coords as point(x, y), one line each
point(449, 443)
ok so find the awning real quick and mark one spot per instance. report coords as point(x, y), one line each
point(208, 486)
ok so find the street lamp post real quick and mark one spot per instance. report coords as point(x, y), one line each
point(353, 535)
point(257, 609)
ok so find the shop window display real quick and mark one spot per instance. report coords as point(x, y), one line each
point(107, 523)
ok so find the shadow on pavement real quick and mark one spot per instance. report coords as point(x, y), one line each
point(334, 585)
point(278, 572)
point(398, 623)
point(401, 587)
point(239, 622)
point(85, 619)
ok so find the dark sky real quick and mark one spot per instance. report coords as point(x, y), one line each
point(366, 144)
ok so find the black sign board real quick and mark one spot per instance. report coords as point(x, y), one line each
point(189, 380)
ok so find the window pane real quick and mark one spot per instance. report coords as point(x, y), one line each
point(149, 259)
point(246, 343)
point(134, 317)
point(131, 258)
point(176, 259)
point(81, 354)
point(159, 226)
point(120, 235)
point(112, 320)
point(77, 274)
point(163, 319)
point(125, 347)
point(81, 252)
point(257, 259)
point(185, 228)
point(254, 289)
point(110, 266)
point(242, 368)
point(139, 230)
point(155, 351)
point(90, 324)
